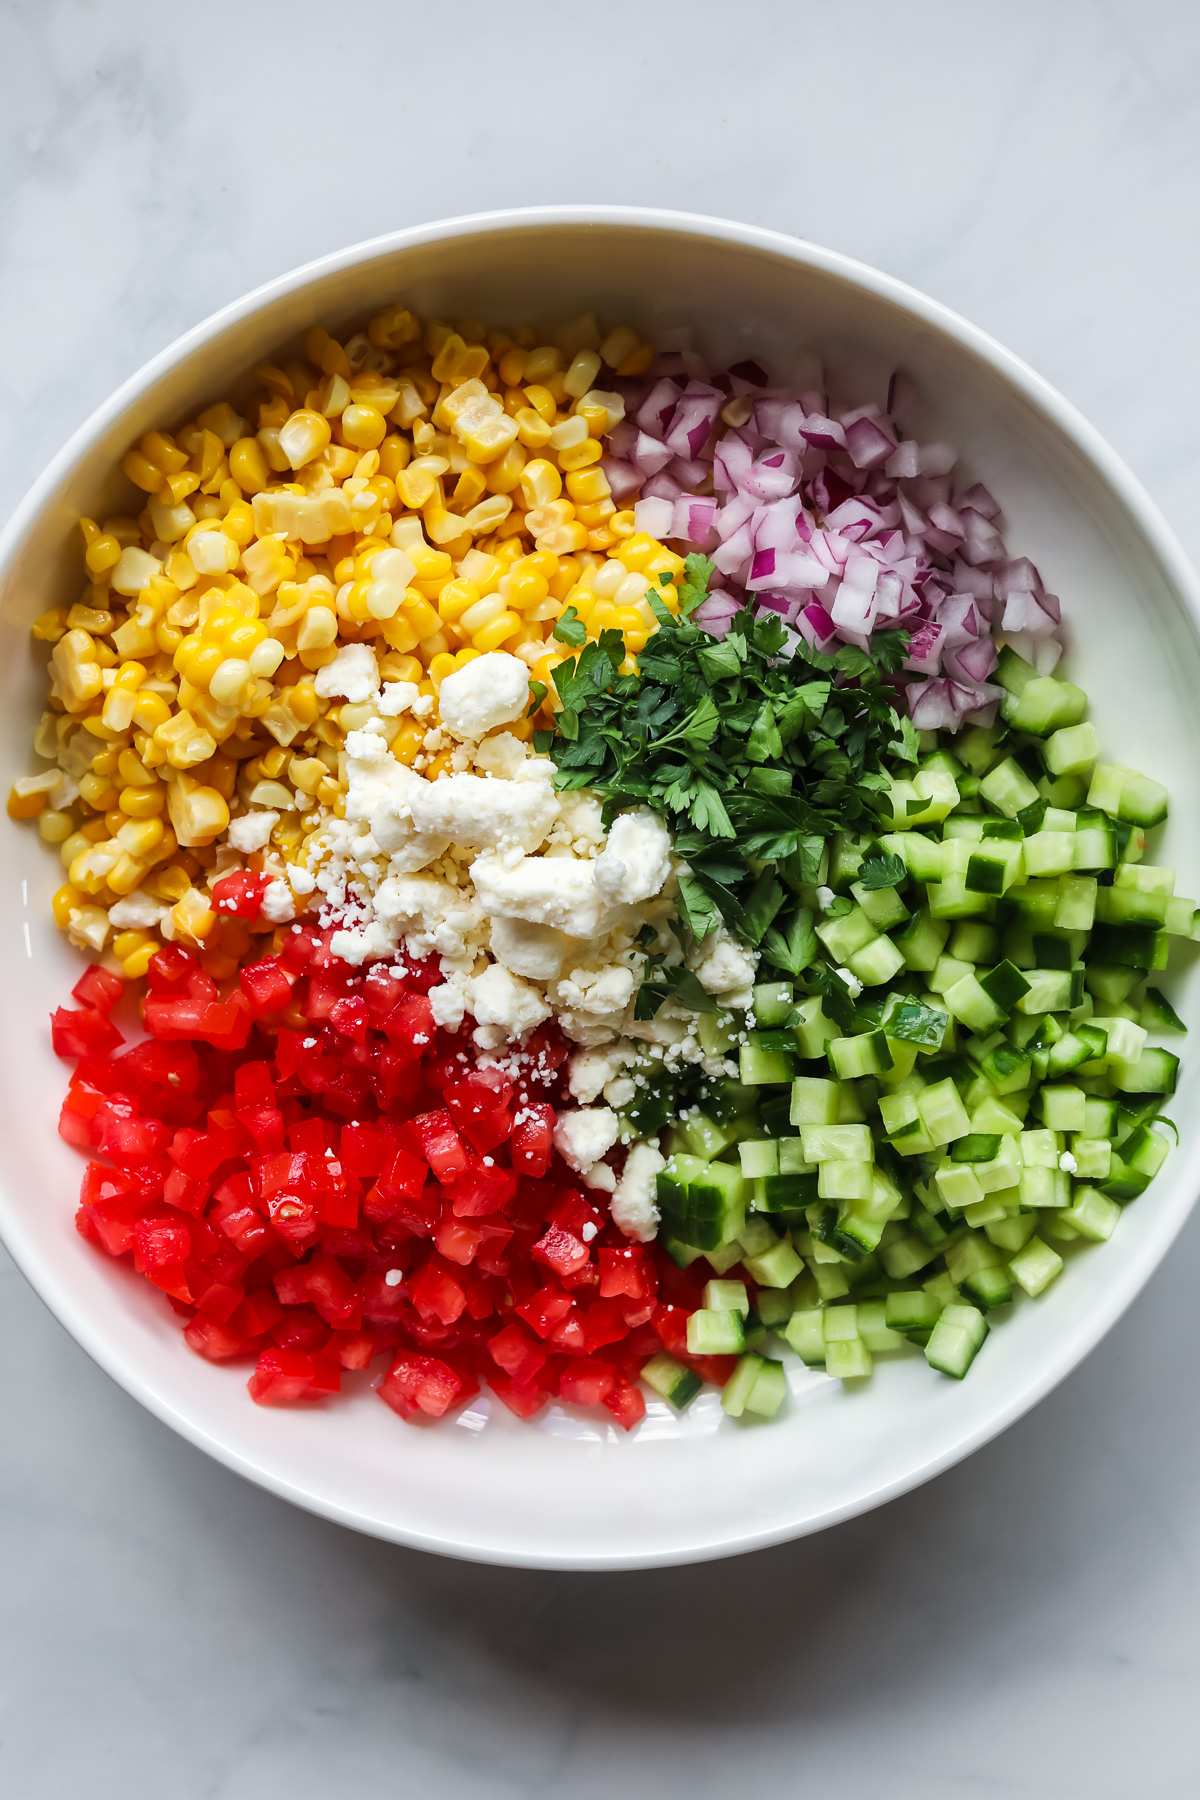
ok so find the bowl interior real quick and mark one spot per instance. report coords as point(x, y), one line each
point(569, 1492)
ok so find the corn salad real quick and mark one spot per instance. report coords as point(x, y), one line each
point(432, 489)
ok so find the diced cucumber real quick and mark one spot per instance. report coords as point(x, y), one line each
point(1125, 794)
point(921, 941)
point(1154, 1072)
point(1072, 750)
point(772, 1002)
point(1158, 1014)
point(1035, 1267)
point(942, 1113)
point(825, 1143)
point(814, 1029)
point(874, 1331)
point(1008, 788)
point(843, 936)
point(1093, 1158)
point(764, 1068)
point(777, 1267)
point(853, 1057)
point(759, 1157)
point(911, 1313)
point(671, 1380)
point(1093, 1215)
point(726, 1296)
point(1063, 1108)
point(715, 1333)
point(883, 906)
point(877, 962)
point(956, 1339)
point(814, 1101)
point(805, 1332)
point(844, 1178)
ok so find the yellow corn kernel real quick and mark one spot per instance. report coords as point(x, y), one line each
point(230, 680)
point(114, 818)
point(497, 632)
point(512, 367)
point(470, 489)
point(487, 438)
point(304, 436)
point(192, 917)
point(526, 586)
point(135, 964)
point(391, 328)
point(543, 402)
point(533, 430)
point(140, 837)
point(420, 615)
point(96, 789)
point(504, 474)
point(457, 361)
point(248, 465)
point(142, 802)
point(578, 456)
point(126, 874)
point(163, 452)
point(541, 483)
point(442, 764)
point(546, 360)
point(484, 610)
point(50, 626)
point(55, 827)
point(102, 553)
point(395, 454)
point(318, 629)
point(66, 900)
point(620, 343)
point(91, 868)
point(363, 427)
point(587, 486)
point(198, 813)
point(325, 353)
point(585, 367)
point(117, 711)
point(455, 598)
point(308, 772)
point(125, 943)
point(400, 668)
point(184, 740)
point(25, 805)
point(142, 472)
point(304, 702)
point(406, 745)
point(440, 666)
point(238, 524)
point(637, 362)
point(75, 670)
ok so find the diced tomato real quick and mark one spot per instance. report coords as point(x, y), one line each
point(411, 1027)
point(626, 1403)
point(239, 895)
point(267, 985)
point(215, 1339)
point(525, 1402)
point(626, 1271)
point(603, 1323)
point(437, 1294)
point(349, 1016)
point(480, 1110)
point(518, 1354)
point(481, 1190)
point(532, 1141)
point(561, 1251)
point(87, 1032)
point(98, 989)
point(444, 1150)
point(281, 1376)
point(420, 1384)
point(545, 1309)
point(586, 1383)
point(169, 968)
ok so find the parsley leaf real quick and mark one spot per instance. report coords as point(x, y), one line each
point(880, 870)
point(696, 910)
point(570, 628)
point(794, 948)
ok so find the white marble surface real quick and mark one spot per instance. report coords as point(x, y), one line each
point(1028, 1624)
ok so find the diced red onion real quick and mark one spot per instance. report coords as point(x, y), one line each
point(693, 521)
point(655, 411)
point(654, 516)
point(622, 479)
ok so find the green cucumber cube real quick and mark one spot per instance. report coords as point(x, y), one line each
point(1035, 1267)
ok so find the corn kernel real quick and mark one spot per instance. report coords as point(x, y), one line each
point(442, 764)
point(229, 681)
point(586, 486)
point(578, 456)
point(55, 827)
point(142, 472)
point(541, 483)
point(546, 360)
point(318, 629)
point(127, 873)
point(307, 773)
point(142, 802)
point(185, 742)
point(406, 745)
point(50, 626)
point(135, 964)
point(637, 362)
point(198, 813)
point(25, 801)
point(304, 437)
point(363, 427)
point(141, 837)
point(192, 916)
point(497, 632)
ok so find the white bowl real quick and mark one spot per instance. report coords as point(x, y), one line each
point(566, 1492)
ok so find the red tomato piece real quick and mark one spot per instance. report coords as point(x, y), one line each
point(561, 1251)
point(239, 895)
point(87, 1032)
point(545, 1309)
point(216, 1339)
point(349, 1016)
point(532, 1142)
point(480, 1110)
point(98, 989)
point(417, 1383)
point(437, 1294)
point(281, 1376)
point(267, 985)
point(625, 1271)
point(444, 1150)
point(411, 1027)
point(525, 1402)
point(586, 1383)
point(626, 1403)
point(518, 1354)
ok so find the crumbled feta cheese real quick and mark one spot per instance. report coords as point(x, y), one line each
point(353, 674)
point(726, 967)
point(852, 982)
point(582, 815)
point(543, 890)
point(277, 904)
point(588, 1231)
point(599, 1176)
point(504, 1006)
point(1066, 1161)
point(585, 1137)
point(535, 951)
point(137, 912)
point(492, 690)
point(503, 755)
point(633, 1206)
point(635, 861)
point(397, 697)
point(448, 1004)
point(252, 831)
point(393, 1278)
point(824, 898)
point(589, 1071)
point(303, 880)
point(484, 813)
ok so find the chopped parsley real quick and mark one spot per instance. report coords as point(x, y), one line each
point(756, 750)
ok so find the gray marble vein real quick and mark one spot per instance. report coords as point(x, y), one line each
point(1028, 1624)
